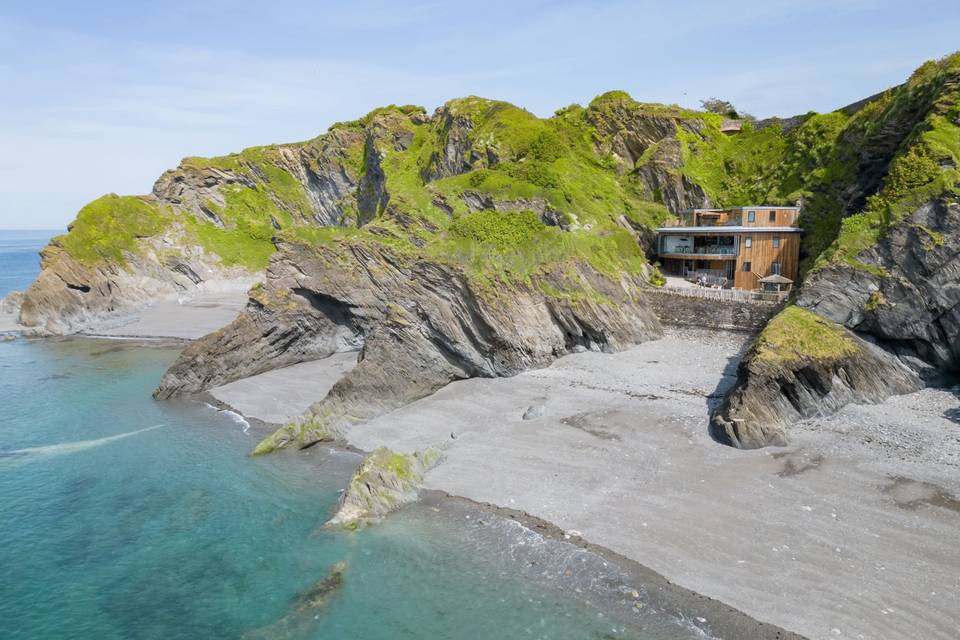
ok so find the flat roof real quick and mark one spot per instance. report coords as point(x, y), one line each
point(752, 206)
point(765, 206)
point(727, 230)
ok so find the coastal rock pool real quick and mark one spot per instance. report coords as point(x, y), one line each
point(129, 518)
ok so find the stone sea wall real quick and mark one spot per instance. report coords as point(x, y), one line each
point(686, 311)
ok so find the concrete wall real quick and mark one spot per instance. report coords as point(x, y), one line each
point(682, 311)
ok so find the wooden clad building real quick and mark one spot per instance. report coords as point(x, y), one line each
point(738, 246)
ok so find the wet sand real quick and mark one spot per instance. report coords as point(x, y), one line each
point(281, 394)
point(847, 533)
point(186, 320)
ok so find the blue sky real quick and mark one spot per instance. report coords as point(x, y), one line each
point(102, 97)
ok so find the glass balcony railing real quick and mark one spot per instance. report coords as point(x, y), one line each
point(711, 251)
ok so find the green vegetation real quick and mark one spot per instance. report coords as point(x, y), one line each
point(404, 110)
point(509, 247)
point(251, 215)
point(931, 239)
point(877, 300)
point(797, 334)
point(108, 228)
point(567, 165)
point(924, 167)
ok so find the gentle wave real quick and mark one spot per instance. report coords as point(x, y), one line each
point(233, 415)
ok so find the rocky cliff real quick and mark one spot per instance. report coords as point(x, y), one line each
point(886, 291)
point(481, 240)
point(489, 241)
point(801, 366)
point(422, 321)
point(907, 294)
point(210, 223)
point(206, 225)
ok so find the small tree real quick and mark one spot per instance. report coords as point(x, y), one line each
point(723, 107)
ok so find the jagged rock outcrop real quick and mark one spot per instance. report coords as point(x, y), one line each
point(459, 151)
point(205, 226)
point(799, 367)
point(477, 201)
point(907, 296)
point(71, 295)
point(423, 323)
point(11, 302)
point(643, 140)
point(660, 173)
point(890, 278)
point(898, 303)
point(279, 327)
point(384, 482)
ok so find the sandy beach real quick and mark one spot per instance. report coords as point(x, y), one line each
point(848, 533)
point(188, 319)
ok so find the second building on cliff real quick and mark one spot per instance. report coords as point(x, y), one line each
point(735, 247)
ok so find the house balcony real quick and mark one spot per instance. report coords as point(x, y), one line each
point(699, 253)
point(698, 246)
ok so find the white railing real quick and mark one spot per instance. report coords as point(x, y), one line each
point(693, 274)
point(726, 295)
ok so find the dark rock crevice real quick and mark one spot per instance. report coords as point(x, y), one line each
point(769, 396)
point(910, 302)
point(424, 324)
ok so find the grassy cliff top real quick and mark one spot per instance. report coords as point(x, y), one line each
point(468, 183)
point(796, 334)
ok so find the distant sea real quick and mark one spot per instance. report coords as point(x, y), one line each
point(19, 258)
point(126, 518)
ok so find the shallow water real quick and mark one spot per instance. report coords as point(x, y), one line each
point(121, 517)
point(170, 531)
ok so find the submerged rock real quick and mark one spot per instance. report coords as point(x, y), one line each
point(384, 482)
point(302, 615)
point(11, 302)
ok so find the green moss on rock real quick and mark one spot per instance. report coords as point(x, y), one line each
point(877, 300)
point(564, 164)
point(108, 229)
point(384, 482)
point(796, 334)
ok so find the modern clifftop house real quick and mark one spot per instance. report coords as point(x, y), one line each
point(742, 245)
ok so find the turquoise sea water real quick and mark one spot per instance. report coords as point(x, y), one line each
point(19, 259)
point(122, 517)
